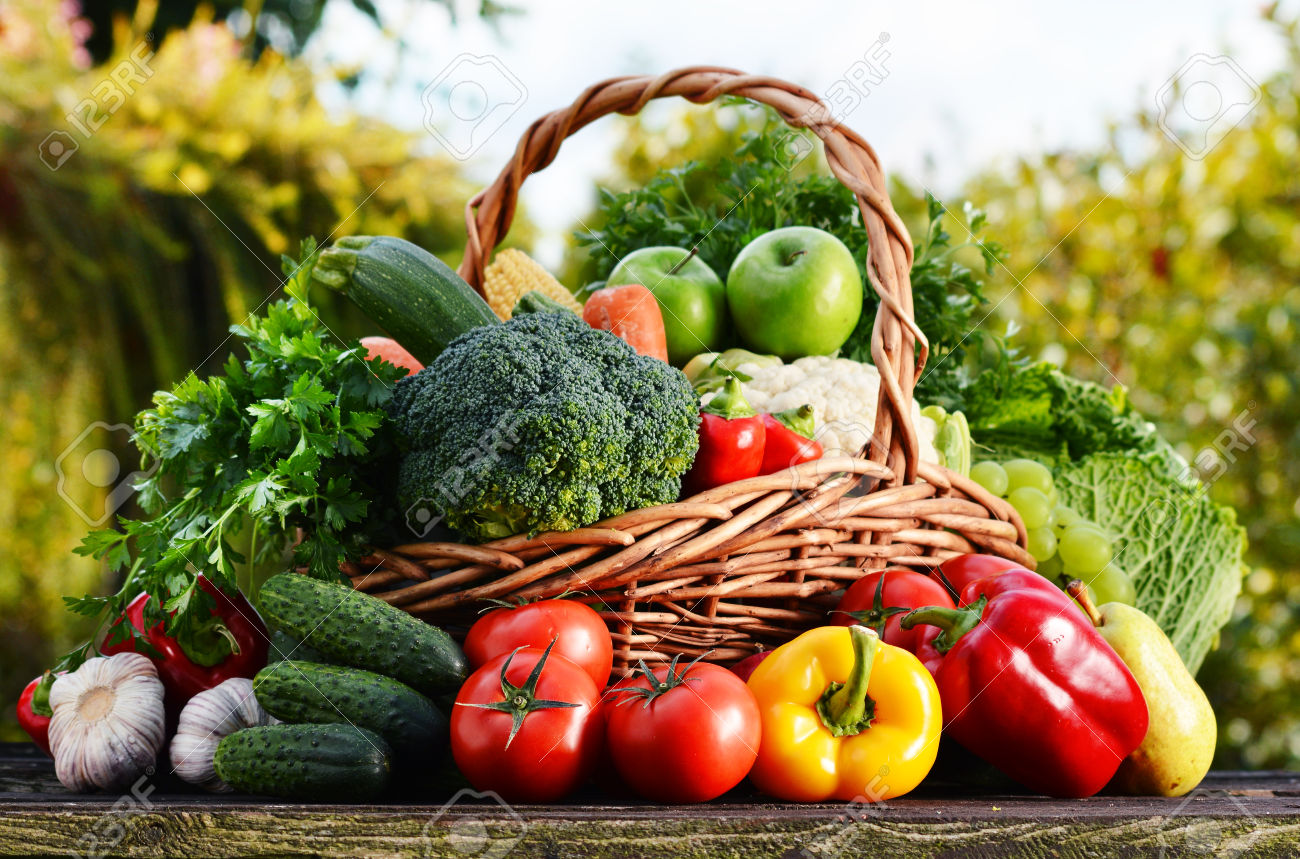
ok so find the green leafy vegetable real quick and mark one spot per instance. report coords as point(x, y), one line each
point(291, 437)
point(1183, 551)
point(1040, 412)
point(754, 191)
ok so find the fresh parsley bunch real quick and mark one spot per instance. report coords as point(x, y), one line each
point(285, 451)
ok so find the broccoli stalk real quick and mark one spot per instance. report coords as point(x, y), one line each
point(542, 423)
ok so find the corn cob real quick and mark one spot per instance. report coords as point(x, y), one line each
point(513, 273)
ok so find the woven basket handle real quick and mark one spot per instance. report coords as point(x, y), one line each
point(489, 214)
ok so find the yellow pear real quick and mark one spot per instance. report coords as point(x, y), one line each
point(1179, 745)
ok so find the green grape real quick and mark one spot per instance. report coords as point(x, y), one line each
point(1112, 585)
point(991, 476)
point(1027, 472)
point(1032, 506)
point(1065, 517)
point(1085, 550)
point(1051, 568)
point(1053, 497)
point(1042, 543)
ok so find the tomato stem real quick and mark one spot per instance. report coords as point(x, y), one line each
point(657, 687)
point(879, 614)
point(519, 701)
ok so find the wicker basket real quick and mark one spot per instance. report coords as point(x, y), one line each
point(745, 566)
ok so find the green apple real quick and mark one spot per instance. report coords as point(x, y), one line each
point(793, 292)
point(691, 297)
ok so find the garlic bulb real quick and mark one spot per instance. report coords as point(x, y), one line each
point(209, 716)
point(108, 722)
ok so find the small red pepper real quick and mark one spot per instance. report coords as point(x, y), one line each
point(732, 438)
point(789, 440)
point(1029, 685)
point(36, 724)
point(233, 644)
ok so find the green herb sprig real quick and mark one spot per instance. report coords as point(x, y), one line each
point(278, 460)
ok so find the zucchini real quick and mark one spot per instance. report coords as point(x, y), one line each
point(537, 302)
point(348, 627)
point(296, 691)
point(315, 762)
point(285, 646)
point(405, 290)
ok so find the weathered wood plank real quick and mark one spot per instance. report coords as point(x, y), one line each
point(1248, 814)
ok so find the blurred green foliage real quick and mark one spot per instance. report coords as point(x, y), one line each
point(121, 270)
point(1178, 278)
point(282, 25)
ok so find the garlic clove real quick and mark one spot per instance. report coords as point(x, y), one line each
point(108, 723)
point(207, 718)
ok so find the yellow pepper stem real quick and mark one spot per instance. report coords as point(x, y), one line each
point(846, 708)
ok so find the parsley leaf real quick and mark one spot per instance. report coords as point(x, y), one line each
point(291, 439)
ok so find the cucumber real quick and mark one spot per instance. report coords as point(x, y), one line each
point(315, 762)
point(296, 691)
point(348, 627)
point(405, 290)
point(285, 646)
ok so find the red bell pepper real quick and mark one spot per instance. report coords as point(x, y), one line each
point(1029, 685)
point(233, 644)
point(961, 570)
point(789, 440)
point(732, 438)
point(36, 724)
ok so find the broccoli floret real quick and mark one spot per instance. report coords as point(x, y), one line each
point(542, 423)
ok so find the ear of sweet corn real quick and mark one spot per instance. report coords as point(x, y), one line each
point(513, 273)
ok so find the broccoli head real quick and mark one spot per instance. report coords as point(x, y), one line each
point(542, 423)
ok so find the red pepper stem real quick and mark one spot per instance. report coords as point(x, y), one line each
point(955, 622)
point(799, 421)
point(730, 402)
point(846, 708)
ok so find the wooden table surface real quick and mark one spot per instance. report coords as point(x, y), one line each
point(1230, 814)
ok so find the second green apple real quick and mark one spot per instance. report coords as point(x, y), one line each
point(793, 292)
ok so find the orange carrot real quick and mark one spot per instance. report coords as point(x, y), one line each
point(631, 313)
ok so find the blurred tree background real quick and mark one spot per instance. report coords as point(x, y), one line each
point(1179, 278)
point(121, 270)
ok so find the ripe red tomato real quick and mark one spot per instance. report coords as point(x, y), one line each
point(879, 600)
point(578, 632)
point(392, 352)
point(690, 736)
point(528, 726)
point(964, 569)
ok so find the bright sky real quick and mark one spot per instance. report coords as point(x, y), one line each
point(965, 84)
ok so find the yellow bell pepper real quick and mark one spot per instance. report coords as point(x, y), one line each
point(844, 716)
